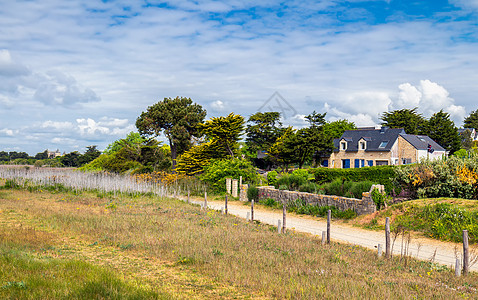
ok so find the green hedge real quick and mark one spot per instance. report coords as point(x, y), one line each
point(379, 175)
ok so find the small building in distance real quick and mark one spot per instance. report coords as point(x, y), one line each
point(54, 154)
point(370, 146)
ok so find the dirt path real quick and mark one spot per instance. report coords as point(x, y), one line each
point(420, 247)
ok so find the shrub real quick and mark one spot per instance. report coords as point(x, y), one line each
point(378, 198)
point(272, 178)
point(216, 172)
point(252, 193)
point(379, 174)
point(292, 181)
point(455, 177)
point(309, 187)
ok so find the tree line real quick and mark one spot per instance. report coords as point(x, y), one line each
point(194, 142)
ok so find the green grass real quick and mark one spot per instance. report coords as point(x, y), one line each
point(24, 276)
point(442, 219)
point(202, 252)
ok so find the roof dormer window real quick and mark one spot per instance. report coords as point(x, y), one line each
point(343, 145)
point(383, 144)
point(362, 145)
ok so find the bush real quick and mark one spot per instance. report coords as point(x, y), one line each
point(292, 181)
point(380, 175)
point(455, 177)
point(252, 193)
point(272, 178)
point(216, 172)
point(301, 207)
point(309, 187)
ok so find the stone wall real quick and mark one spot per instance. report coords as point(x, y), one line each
point(360, 206)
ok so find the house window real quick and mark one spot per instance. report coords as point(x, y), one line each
point(346, 163)
point(406, 161)
point(381, 162)
point(362, 145)
point(359, 163)
point(383, 144)
point(343, 145)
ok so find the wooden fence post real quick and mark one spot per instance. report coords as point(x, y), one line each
point(225, 205)
point(329, 215)
point(387, 238)
point(284, 209)
point(466, 258)
point(457, 267)
point(252, 210)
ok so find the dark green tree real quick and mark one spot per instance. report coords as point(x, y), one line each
point(408, 119)
point(263, 130)
point(177, 118)
point(308, 142)
point(443, 131)
point(224, 131)
point(283, 150)
point(472, 120)
point(4, 156)
point(71, 159)
point(91, 154)
point(42, 155)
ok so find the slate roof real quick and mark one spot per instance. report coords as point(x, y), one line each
point(375, 137)
point(421, 142)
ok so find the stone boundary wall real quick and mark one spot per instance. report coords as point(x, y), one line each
point(360, 206)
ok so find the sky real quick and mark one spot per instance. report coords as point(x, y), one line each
point(79, 73)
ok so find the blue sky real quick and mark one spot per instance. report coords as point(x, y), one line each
point(79, 73)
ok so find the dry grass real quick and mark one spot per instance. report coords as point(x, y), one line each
point(209, 255)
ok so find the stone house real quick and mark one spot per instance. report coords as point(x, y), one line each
point(371, 146)
point(54, 154)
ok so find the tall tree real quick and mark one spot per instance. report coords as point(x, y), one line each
point(282, 151)
point(263, 130)
point(443, 131)
point(224, 131)
point(178, 118)
point(472, 120)
point(91, 153)
point(310, 141)
point(408, 119)
point(42, 155)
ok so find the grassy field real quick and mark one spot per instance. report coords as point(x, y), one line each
point(441, 218)
point(59, 245)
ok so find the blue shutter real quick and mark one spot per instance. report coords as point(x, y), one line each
point(357, 163)
point(346, 163)
point(370, 163)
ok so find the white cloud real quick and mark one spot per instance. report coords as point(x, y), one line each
point(429, 97)
point(218, 106)
point(8, 67)
point(57, 88)
point(6, 132)
point(408, 97)
point(61, 126)
point(106, 126)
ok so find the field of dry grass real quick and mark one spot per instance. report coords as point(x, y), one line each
point(163, 248)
